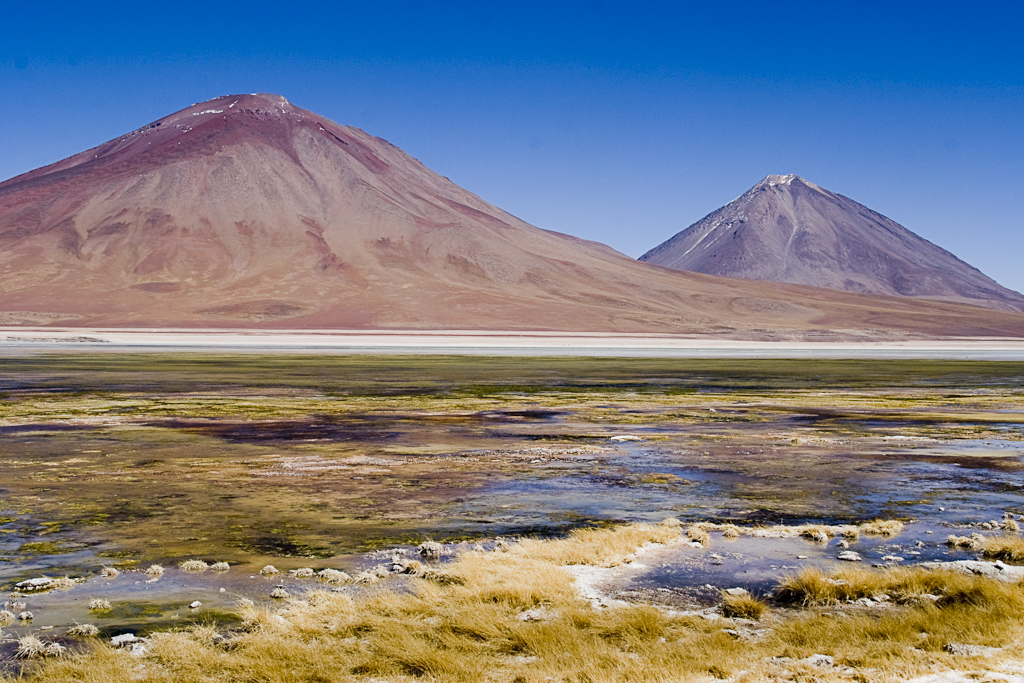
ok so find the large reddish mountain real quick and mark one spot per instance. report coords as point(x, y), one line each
point(246, 211)
point(786, 229)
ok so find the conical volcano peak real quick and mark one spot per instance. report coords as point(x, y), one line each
point(784, 180)
point(236, 104)
point(786, 229)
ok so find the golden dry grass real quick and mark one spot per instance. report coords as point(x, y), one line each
point(600, 547)
point(472, 629)
point(1008, 548)
point(744, 606)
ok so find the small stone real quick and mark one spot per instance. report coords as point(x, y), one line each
point(736, 591)
point(25, 616)
point(892, 558)
point(849, 556)
point(431, 550)
point(962, 650)
point(819, 660)
point(843, 544)
point(196, 604)
point(124, 639)
point(34, 584)
point(802, 557)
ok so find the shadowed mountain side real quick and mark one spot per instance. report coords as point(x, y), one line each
point(786, 229)
point(246, 211)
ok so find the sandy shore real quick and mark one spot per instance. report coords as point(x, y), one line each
point(21, 340)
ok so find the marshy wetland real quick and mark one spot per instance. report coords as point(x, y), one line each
point(351, 462)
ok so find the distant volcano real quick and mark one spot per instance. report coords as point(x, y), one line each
point(786, 229)
point(246, 211)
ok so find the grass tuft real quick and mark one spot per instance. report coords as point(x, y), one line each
point(699, 534)
point(83, 631)
point(193, 566)
point(744, 606)
point(1008, 548)
point(882, 527)
point(972, 542)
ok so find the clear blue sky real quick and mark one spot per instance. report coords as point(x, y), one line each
point(619, 122)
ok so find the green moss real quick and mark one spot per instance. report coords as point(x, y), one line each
point(46, 548)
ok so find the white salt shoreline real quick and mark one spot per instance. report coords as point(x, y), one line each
point(21, 340)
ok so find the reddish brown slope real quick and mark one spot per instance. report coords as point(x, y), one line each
point(248, 211)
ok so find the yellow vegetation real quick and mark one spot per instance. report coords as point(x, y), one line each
point(1009, 548)
point(515, 617)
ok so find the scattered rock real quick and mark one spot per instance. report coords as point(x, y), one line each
point(430, 550)
point(843, 544)
point(892, 558)
point(962, 650)
point(25, 616)
point(736, 591)
point(803, 557)
point(849, 556)
point(109, 572)
point(627, 437)
point(41, 583)
point(195, 605)
point(819, 660)
point(994, 570)
point(124, 639)
point(537, 614)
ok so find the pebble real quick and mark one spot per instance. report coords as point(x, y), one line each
point(196, 604)
point(849, 556)
point(819, 660)
point(124, 639)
